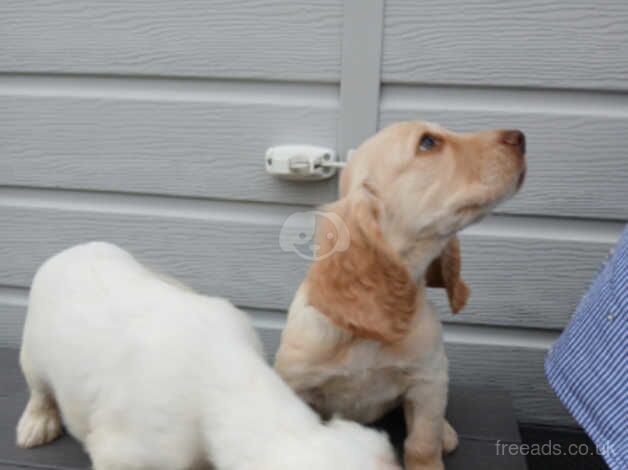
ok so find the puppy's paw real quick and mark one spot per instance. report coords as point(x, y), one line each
point(450, 438)
point(40, 423)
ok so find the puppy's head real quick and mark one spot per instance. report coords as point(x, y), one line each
point(409, 189)
point(432, 181)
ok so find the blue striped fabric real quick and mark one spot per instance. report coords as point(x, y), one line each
point(587, 366)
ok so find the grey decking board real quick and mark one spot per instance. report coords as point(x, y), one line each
point(465, 408)
point(482, 455)
point(63, 454)
point(12, 381)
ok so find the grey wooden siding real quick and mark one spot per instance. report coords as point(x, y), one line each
point(523, 273)
point(12, 309)
point(168, 137)
point(295, 40)
point(145, 124)
point(576, 44)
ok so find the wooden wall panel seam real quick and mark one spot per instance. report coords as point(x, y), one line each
point(196, 90)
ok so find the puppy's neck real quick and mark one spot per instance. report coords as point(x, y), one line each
point(416, 254)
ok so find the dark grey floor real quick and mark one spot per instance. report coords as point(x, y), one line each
point(564, 437)
point(481, 418)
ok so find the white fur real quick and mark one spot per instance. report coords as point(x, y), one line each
point(150, 375)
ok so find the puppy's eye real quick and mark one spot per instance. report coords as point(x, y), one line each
point(427, 142)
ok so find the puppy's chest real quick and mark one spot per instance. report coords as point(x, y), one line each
point(361, 392)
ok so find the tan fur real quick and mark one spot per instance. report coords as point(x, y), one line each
point(366, 290)
point(361, 337)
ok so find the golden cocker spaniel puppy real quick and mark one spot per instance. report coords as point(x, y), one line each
point(361, 336)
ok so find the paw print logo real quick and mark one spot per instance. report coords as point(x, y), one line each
point(298, 232)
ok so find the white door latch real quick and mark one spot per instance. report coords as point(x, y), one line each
point(302, 162)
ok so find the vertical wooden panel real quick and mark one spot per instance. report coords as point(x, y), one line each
point(360, 83)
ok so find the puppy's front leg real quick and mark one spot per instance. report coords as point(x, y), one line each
point(450, 438)
point(424, 407)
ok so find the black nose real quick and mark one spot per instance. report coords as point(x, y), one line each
point(514, 138)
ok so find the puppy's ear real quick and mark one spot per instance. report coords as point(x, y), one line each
point(444, 271)
point(364, 289)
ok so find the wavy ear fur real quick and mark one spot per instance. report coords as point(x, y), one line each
point(365, 289)
point(444, 271)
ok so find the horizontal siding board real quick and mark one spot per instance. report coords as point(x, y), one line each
point(576, 44)
point(518, 281)
point(296, 40)
point(12, 316)
point(518, 370)
point(212, 148)
point(534, 283)
point(577, 163)
point(239, 259)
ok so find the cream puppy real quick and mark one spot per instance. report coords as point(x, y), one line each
point(361, 337)
point(147, 374)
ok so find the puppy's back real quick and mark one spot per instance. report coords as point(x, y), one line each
point(107, 334)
